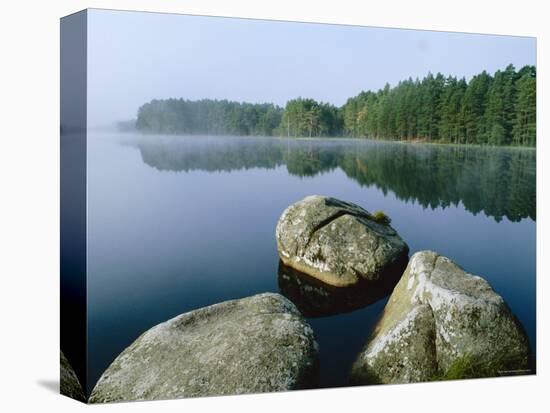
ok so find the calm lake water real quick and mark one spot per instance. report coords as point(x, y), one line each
point(178, 223)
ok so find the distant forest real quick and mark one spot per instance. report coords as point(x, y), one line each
point(498, 109)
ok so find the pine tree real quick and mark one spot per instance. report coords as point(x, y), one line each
point(474, 105)
point(495, 131)
point(524, 124)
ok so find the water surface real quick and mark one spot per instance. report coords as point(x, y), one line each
point(178, 223)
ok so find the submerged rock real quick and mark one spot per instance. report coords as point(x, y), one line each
point(68, 381)
point(338, 242)
point(255, 344)
point(314, 298)
point(441, 322)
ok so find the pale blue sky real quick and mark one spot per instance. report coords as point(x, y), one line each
point(134, 57)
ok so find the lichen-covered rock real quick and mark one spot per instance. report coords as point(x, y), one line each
point(255, 344)
point(315, 298)
point(68, 381)
point(439, 320)
point(338, 242)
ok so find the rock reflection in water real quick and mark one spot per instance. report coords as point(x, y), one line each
point(317, 299)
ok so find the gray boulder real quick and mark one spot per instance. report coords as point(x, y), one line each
point(338, 242)
point(255, 344)
point(68, 381)
point(441, 323)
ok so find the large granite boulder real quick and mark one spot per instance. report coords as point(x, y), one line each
point(255, 344)
point(68, 381)
point(441, 322)
point(338, 242)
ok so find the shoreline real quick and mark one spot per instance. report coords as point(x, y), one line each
point(313, 138)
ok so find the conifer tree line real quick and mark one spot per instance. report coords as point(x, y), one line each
point(493, 110)
point(208, 117)
point(498, 109)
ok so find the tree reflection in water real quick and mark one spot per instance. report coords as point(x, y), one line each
point(497, 181)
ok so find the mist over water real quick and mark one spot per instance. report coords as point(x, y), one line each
point(177, 223)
